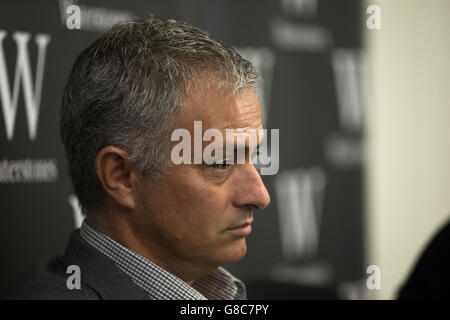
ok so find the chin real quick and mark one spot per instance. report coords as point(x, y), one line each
point(234, 252)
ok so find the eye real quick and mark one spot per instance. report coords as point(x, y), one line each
point(255, 156)
point(222, 165)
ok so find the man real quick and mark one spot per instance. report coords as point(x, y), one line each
point(154, 229)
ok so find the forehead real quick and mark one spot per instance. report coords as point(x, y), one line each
point(223, 111)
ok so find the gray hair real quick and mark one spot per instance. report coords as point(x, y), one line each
point(126, 88)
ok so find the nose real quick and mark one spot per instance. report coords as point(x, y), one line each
point(251, 190)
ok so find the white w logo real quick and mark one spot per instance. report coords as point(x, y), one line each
point(23, 72)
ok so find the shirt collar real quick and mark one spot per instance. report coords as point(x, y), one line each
point(160, 284)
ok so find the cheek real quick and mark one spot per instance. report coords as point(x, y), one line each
point(188, 210)
point(203, 211)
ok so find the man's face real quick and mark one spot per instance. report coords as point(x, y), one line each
point(198, 213)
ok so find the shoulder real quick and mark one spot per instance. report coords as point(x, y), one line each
point(48, 280)
point(428, 277)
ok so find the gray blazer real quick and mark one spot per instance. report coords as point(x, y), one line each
point(100, 278)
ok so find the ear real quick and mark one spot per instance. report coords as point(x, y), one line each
point(115, 173)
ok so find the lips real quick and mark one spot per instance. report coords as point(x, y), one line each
point(241, 226)
point(242, 229)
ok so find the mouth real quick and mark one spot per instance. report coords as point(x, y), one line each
point(242, 230)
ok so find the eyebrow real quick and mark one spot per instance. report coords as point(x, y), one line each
point(246, 148)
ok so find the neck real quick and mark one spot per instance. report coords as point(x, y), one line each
point(118, 228)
